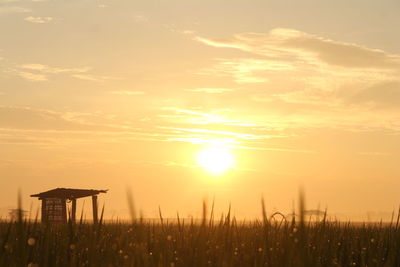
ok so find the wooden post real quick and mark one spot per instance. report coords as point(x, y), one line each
point(64, 210)
point(44, 213)
point(94, 204)
point(73, 215)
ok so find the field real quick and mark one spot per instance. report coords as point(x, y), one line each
point(272, 241)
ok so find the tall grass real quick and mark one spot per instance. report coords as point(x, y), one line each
point(272, 241)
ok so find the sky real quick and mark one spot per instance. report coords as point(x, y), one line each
point(125, 95)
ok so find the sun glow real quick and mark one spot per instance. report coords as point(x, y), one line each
point(216, 160)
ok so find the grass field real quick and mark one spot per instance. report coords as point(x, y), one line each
point(272, 241)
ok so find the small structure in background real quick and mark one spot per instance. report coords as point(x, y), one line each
point(16, 214)
point(54, 203)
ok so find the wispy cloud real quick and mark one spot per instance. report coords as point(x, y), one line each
point(40, 20)
point(125, 92)
point(41, 72)
point(13, 9)
point(193, 116)
point(13, 1)
point(374, 154)
point(302, 71)
point(385, 94)
point(210, 90)
point(179, 164)
point(31, 126)
point(218, 133)
point(140, 19)
point(91, 77)
point(281, 43)
point(32, 76)
point(245, 70)
point(199, 127)
point(52, 70)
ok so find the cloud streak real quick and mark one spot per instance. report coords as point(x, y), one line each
point(41, 72)
point(52, 70)
point(245, 70)
point(91, 77)
point(125, 92)
point(13, 9)
point(281, 43)
point(32, 76)
point(303, 72)
point(385, 94)
point(210, 90)
point(39, 20)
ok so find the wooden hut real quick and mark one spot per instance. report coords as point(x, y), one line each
point(54, 203)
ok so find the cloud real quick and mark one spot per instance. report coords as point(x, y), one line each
point(90, 77)
point(140, 19)
point(194, 116)
point(14, 117)
point(297, 72)
point(25, 140)
point(13, 1)
point(52, 70)
point(210, 90)
point(374, 153)
point(179, 164)
point(207, 132)
point(386, 94)
point(216, 126)
point(32, 76)
point(296, 45)
point(122, 92)
point(41, 72)
point(39, 20)
point(13, 9)
point(31, 126)
point(245, 70)
point(27, 118)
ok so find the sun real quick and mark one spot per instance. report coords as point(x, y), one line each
point(216, 160)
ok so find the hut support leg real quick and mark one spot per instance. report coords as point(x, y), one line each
point(94, 203)
point(44, 214)
point(64, 210)
point(73, 215)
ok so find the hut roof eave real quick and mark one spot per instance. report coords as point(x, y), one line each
point(68, 193)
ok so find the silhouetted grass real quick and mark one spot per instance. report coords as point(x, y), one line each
point(270, 242)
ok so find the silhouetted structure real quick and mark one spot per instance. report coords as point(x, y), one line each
point(16, 214)
point(54, 207)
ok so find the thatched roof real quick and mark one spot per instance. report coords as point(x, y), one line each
point(68, 193)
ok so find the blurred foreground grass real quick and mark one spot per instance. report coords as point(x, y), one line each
point(272, 241)
point(226, 242)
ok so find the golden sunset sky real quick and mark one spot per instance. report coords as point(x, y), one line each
point(126, 94)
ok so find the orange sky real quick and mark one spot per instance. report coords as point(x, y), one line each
point(118, 94)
